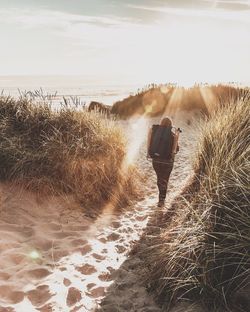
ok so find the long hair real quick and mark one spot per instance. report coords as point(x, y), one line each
point(166, 122)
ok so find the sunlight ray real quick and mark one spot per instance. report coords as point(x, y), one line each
point(174, 102)
point(209, 98)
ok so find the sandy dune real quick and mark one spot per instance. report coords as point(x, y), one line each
point(53, 258)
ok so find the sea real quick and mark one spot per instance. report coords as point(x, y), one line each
point(75, 88)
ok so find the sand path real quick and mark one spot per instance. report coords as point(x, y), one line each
point(53, 258)
point(128, 293)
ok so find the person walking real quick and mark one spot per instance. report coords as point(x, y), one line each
point(162, 147)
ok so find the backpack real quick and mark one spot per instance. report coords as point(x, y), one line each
point(161, 143)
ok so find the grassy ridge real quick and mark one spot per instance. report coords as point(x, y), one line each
point(63, 151)
point(158, 100)
point(203, 253)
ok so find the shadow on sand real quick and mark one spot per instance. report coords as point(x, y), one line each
point(129, 290)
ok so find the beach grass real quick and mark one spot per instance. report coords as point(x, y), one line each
point(202, 253)
point(64, 150)
point(157, 100)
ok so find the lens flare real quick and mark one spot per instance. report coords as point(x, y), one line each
point(34, 255)
point(137, 136)
point(164, 89)
point(175, 100)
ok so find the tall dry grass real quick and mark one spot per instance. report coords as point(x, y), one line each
point(203, 251)
point(157, 100)
point(63, 150)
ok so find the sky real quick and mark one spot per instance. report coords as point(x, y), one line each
point(183, 41)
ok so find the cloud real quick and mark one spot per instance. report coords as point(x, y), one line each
point(48, 18)
point(52, 42)
point(90, 31)
point(236, 2)
point(230, 4)
point(239, 16)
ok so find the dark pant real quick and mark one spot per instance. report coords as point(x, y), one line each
point(162, 170)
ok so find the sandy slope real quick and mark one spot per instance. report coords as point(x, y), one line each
point(53, 258)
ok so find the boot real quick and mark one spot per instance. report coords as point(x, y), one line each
point(162, 196)
point(161, 203)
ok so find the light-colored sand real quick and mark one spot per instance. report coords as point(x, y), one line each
point(53, 258)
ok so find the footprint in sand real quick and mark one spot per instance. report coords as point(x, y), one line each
point(86, 269)
point(105, 277)
point(84, 250)
point(9, 295)
point(4, 276)
point(15, 258)
point(59, 254)
point(141, 218)
point(62, 269)
point(39, 273)
point(111, 270)
point(120, 249)
point(103, 240)
point(113, 237)
point(74, 296)
point(43, 244)
point(27, 232)
point(98, 257)
point(39, 296)
point(78, 242)
point(97, 292)
point(90, 286)
point(116, 224)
